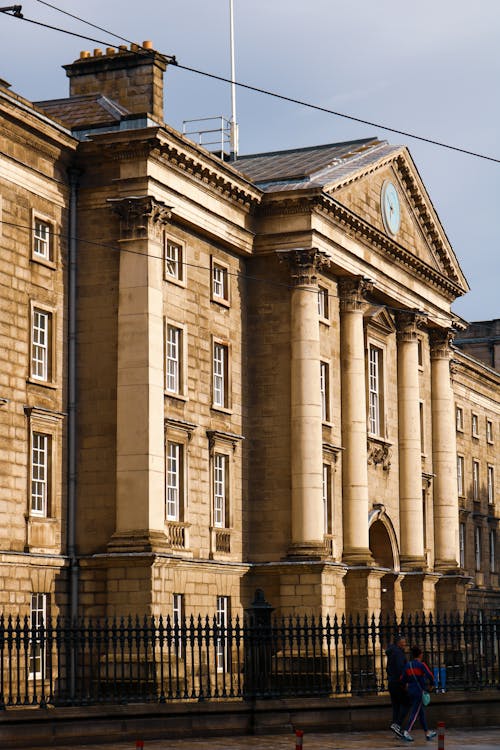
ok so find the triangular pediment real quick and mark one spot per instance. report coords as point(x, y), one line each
point(420, 231)
point(379, 318)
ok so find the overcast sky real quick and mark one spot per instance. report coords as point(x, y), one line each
point(430, 68)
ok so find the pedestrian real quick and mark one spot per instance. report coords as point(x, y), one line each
point(417, 677)
point(396, 663)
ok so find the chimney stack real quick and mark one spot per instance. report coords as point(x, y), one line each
point(133, 78)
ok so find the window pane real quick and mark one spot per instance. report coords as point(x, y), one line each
point(41, 246)
point(173, 481)
point(40, 345)
point(39, 473)
point(173, 359)
point(173, 260)
point(220, 490)
point(219, 375)
point(374, 390)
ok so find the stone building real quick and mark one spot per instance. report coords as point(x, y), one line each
point(221, 376)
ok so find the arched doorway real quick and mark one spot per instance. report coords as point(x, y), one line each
point(383, 546)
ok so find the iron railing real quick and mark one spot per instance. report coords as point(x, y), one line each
point(158, 660)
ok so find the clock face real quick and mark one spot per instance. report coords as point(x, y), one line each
point(391, 210)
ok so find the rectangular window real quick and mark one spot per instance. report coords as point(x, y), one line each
point(174, 481)
point(460, 475)
point(41, 325)
point(38, 617)
point(40, 468)
point(477, 547)
point(220, 491)
point(461, 532)
point(475, 480)
point(459, 412)
point(324, 376)
point(491, 485)
point(220, 282)
point(375, 390)
point(222, 624)
point(493, 543)
point(177, 619)
point(422, 428)
point(475, 425)
point(420, 354)
point(174, 261)
point(174, 360)
point(327, 498)
point(42, 240)
point(220, 373)
point(489, 430)
point(323, 311)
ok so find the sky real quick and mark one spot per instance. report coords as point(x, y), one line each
point(430, 68)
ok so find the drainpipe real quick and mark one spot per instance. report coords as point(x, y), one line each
point(72, 395)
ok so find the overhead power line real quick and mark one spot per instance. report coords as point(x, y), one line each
point(300, 102)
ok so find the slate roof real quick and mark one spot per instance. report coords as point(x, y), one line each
point(314, 166)
point(84, 111)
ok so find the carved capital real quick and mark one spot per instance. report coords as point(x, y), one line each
point(441, 341)
point(141, 217)
point(409, 322)
point(305, 263)
point(352, 292)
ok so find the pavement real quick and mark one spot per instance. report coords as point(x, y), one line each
point(455, 739)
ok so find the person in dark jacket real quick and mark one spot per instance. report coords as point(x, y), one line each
point(417, 677)
point(396, 663)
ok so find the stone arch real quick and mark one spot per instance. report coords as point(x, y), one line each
point(385, 552)
point(385, 549)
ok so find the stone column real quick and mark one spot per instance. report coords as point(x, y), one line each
point(444, 455)
point(410, 446)
point(307, 522)
point(140, 458)
point(356, 547)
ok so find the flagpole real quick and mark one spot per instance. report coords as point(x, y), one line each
point(234, 126)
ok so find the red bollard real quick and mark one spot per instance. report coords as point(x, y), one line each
point(139, 745)
point(299, 734)
point(440, 735)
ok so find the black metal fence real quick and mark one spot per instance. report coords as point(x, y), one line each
point(158, 660)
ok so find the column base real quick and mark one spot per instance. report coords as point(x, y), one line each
point(410, 563)
point(307, 551)
point(446, 567)
point(139, 541)
point(358, 556)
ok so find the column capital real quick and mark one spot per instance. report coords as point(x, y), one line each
point(352, 291)
point(441, 341)
point(304, 263)
point(408, 324)
point(141, 217)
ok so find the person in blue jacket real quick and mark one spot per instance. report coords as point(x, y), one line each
point(417, 677)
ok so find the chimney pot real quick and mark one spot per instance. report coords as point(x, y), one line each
point(110, 50)
point(123, 48)
point(134, 47)
point(84, 53)
point(148, 44)
point(98, 53)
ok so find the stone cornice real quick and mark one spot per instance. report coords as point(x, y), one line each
point(361, 229)
point(182, 157)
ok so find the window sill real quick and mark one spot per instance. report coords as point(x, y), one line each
point(176, 282)
point(221, 409)
point(43, 383)
point(50, 264)
point(325, 321)
point(221, 301)
point(176, 396)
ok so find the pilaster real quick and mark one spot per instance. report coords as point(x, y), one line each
point(140, 469)
point(307, 522)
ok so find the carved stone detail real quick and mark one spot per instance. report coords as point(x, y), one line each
point(409, 322)
point(379, 453)
point(352, 292)
point(441, 341)
point(141, 217)
point(304, 264)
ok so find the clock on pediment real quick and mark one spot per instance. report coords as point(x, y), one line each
point(391, 209)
